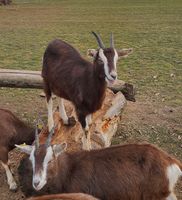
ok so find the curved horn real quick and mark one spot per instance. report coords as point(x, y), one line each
point(99, 40)
point(49, 138)
point(112, 41)
point(36, 137)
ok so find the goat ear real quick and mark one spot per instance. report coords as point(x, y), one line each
point(92, 52)
point(123, 53)
point(25, 148)
point(59, 148)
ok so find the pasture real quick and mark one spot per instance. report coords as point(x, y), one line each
point(153, 28)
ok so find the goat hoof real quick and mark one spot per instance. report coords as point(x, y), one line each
point(71, 121)
point(13, 188)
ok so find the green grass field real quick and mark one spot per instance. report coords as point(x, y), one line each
point(152, 27)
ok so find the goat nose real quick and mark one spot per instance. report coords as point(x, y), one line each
point(113, 76)
point(36, 184)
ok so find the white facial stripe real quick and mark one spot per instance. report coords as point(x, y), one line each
point(106, 67)
point(40, 178)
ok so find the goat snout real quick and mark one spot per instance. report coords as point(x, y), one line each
point(113, 75)
point(38, 184)
point(35, 184)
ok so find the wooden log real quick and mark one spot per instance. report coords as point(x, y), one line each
point(20, 79)
point(126, 88)
point(33, 79)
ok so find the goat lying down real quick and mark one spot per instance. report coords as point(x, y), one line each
point(69, 76)
point(71, 196)
point(12, 131)
point(131, 171)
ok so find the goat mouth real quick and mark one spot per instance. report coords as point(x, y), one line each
point(110, 81)
point(39, 186)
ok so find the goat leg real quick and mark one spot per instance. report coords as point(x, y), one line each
point(86, 140)
point(66, 120)
point(83, 119)
point(50, 113)
point(11, 182)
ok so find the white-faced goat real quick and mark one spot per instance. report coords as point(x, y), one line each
point(131, 171)
point(69, 76)
point(71, 196)
point(12, 131)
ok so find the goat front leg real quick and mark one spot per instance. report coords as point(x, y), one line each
point(66, 120)
point(50, 113)
point(11, 182)
point(86, 143)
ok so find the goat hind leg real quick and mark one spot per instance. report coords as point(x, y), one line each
point(11, 182)
point(86, 135)
point(49, 103)
point(50, 113)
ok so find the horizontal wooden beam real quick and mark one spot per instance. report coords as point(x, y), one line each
point(20, 79)
point(32, 79)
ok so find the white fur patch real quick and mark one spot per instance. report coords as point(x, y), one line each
point(106, 67)
point(89, 119)
point(50, 114)
point(40, 178)
point(62, 111)
point(173, 173)
point(11, 181)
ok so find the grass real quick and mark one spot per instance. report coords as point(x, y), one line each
point(152, 28)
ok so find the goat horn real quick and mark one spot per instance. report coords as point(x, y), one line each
point(99, 40)
point(112, 41)
point(49, 138)
point(36, 137)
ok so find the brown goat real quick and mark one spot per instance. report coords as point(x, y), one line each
point(127, 172)
point(71, 196)
point(12, 131)
point(69, 76)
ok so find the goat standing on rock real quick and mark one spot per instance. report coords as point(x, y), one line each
point(69, 76)
point(126, 172)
